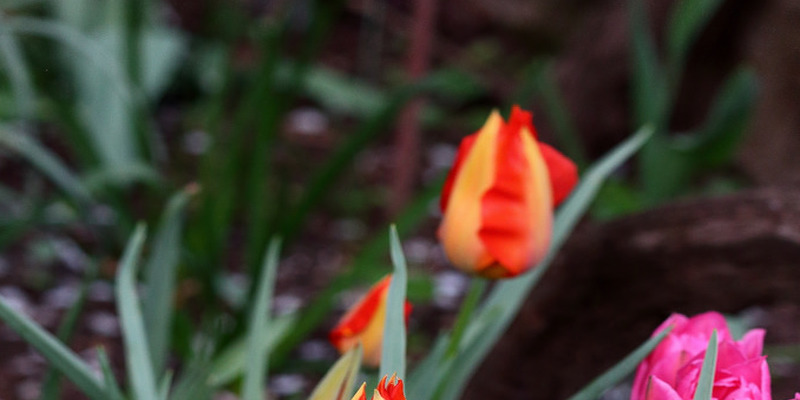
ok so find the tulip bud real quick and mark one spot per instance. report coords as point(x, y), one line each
point(364, 323)
point(497, 202)
point(672, 370)
point(392, 390)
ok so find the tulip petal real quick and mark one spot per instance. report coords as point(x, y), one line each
point(361, 393)
point(364, 323)
point(563, 173)
point(463, 149)
point(752, 344)
point(517, 209)
point(659, 390)
point(462, 221)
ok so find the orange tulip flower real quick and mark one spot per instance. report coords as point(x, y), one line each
point(497, 202)
point(364, 323)
point(393, 390)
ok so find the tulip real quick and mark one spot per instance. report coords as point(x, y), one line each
point(498, 199)
point(364, 323)
point(672, 370)
point(392, 390)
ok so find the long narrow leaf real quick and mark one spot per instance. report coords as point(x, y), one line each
point(110, 381)
point(685, 24)
point(504, 301)
point(619, 371)
point(161, 271)
point(137, 352)
point(256, 372)
point(650, 94)
point(46, 162)
point(393, 350)
point(705, 384)
point(61, 357)
point(52, 378)
point(77, 41)
point(230, 364)
point(17, 72)
point(337, 383)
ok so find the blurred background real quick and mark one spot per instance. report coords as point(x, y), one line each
point(324, 121)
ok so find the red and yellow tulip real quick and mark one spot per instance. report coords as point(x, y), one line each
point(392, 390)
point(363, 323)
point(498, 199)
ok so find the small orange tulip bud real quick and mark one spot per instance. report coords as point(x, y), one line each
point(498, 199)
point(364, 323)
point(392, 390)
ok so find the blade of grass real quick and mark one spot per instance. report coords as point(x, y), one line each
point(650, 94)
point(503, 303)
point(52, 378)
point(77, 41)
point(257, 357)
point(55, 352)
point(476, 290)
point(166, 384)
point(705, 385)
point(19, 78)
point(428, 373)
point(338, 381)
point(393, 350)
point(719, 138)
point(47, 163)
point(685, 23)
point(161, 271)
point(230, 363)
point(619, 371)
point(108, 376)
point(323, 15)
point(137, 351)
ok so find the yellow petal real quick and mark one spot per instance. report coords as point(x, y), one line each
point(462, 219)
point(361, 393)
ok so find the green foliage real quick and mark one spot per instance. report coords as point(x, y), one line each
point(705, 385)
point(393, 353)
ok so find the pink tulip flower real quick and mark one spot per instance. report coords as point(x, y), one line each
point(672, 370)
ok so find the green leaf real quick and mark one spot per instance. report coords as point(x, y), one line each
point(650, 91)
point(141, 375)
point(471, 300)
point(160, 275)
point(256, 372)
point(338, 382)
point(231, 362)
point(56, 353)
point(108, 375)
point(393, 350)
point(51, 385)
point(705, 384)
point(166, 384)
point(687, 20)
point(19, 78)
point(503, 303)
point(718, 140)
point(428, 373)
point(619, 371)
point(45, 161)
point(105, 97)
